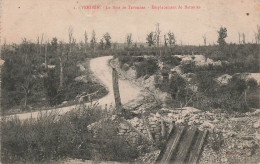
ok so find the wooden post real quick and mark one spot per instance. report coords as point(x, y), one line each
point(61, 72)
point(163, 132)
point(146, 125)
point(116, 91)
point(171, 127)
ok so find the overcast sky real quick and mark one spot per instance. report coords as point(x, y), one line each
point(31, 18)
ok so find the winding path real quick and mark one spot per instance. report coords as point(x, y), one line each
point(101, 69)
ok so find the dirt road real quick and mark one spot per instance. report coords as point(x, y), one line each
point(103, 72)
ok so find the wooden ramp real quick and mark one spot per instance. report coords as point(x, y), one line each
point(184, 145)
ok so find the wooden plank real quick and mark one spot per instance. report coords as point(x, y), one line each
point(146, 125)
point(185, 145)
point(171, 134)
point(172, 144)
point(163, 131)
point(197, 148)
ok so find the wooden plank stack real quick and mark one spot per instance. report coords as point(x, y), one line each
point(184, 145)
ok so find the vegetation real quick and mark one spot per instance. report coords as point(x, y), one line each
point(222, 34)
point(51, 138)
point(33, 78)
point(233, 60)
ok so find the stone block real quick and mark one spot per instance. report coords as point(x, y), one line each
point(122, 130)
point(123, 126)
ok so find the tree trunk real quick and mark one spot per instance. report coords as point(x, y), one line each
point(177, 95)
point(41, 44)
point(25, 58)
point(46, 49)
point(25, 100)
point(186, 96)
point(245, 97)
point(116, 91)
point(61, 73)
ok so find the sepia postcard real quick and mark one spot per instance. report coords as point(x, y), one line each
point(130, 81)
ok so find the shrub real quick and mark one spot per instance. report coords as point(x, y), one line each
point(140, 70)
point(173, 61)
point(124, 59)
point(188, 67)
point(151, 66)
point(237, 85)
point(253, 98)
point(114, 147)
point(147, 67)
point(125, 67)
point(206, 83)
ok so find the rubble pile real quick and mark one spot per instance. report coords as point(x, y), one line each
point(233, 137)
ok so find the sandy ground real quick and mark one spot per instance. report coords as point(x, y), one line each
point(103, 72)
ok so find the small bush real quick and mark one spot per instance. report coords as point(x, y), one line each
point(114, 147)
point(125, 67)
point(188, 67)
point(151, 66)
point(124, 59)
point(173, 61)
point(147, 67)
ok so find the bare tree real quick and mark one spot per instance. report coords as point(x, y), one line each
point(86, 40)
point(27, 72)
point(171, 38)
point(165, 41)
point(93, 41)
point(41, 44)
point(257, 35)
point(70, 30)
point(239, 38)
point(38, 44)
point(244, 38)
point(157, 32)
point(74, 42)
point(4, 45)
point(25, 49)
point(27, 79)
point(61, 54)
point(129, 40)
point(26, 88)
point(45, 55)
point(204, 39)
point(101, 44)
